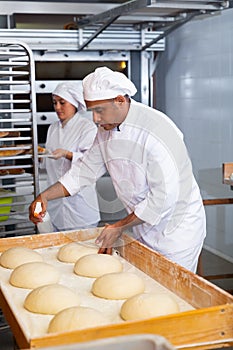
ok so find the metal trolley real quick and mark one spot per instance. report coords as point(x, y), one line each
point(18, 138)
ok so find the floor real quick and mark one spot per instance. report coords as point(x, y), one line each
point(217, 270)
point(211, 265)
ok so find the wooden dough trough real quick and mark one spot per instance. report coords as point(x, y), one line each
point(208, 326)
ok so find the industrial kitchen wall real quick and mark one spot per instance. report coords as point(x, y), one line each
point(195, 88)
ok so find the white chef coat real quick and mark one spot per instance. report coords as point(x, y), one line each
point(152, 175)
point(80, 210)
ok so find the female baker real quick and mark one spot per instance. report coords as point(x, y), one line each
point(67, 141)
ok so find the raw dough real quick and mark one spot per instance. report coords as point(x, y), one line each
point(147, 305)
point(95, 265)
point(71, 252)
point(50, 299)
point(34, 274)
point(16, 256)
point(118, 285)
point(75, 318)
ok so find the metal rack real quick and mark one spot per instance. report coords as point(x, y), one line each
point(19, 182)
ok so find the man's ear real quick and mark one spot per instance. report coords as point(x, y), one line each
point(120, 99)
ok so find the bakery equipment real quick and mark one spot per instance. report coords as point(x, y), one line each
point(207, 325)
point(18, 134)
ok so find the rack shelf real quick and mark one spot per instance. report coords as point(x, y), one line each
point(19, 182)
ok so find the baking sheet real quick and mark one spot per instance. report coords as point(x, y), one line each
point(36, 325)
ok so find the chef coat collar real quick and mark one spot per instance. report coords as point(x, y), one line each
point(71, 121)
point(128, 117)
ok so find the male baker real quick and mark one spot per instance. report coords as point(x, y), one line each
point(146, 157)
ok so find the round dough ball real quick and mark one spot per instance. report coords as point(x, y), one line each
point(95, 265)
point(148, 305)
point(50, 299)
point(118, 285)
point(34, 274)
point(75, 318)
point(16, 256)
point(71, 252)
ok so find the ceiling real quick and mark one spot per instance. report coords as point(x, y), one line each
point(155, 13)
point(95, 17)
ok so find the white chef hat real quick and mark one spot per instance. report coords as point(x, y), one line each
point(104, 83)
point(72, 93)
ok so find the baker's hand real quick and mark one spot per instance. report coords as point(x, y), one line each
point(107, 238)
point(60, 153)
point(37, 217)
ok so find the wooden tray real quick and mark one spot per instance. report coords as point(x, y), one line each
point(209, 326)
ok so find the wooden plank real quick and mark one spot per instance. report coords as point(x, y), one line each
point(218, 201)
point(48, 239)
point(192, 327)
point(14, 325)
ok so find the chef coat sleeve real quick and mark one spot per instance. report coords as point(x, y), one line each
point(169, 180)
point(85, 140)
point(85, 171)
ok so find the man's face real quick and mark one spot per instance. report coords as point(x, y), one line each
point(107, 113)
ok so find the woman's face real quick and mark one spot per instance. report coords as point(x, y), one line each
point(64, 109)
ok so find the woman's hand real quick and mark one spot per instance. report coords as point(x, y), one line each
point(62, 153)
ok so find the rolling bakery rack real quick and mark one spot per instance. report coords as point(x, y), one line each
point(18, 138)
point(208, 325)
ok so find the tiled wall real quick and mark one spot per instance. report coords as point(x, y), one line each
point(194, 86)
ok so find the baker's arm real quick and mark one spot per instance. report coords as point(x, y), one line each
point(111, 233)
point(53, 192)
point(62, 153)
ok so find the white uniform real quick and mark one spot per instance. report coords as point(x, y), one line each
point(81, 210)
point(152, 175)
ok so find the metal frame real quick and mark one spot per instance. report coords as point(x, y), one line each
point(94, 29)
point(16, 59)
point(116, 12)
point(114, 38)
